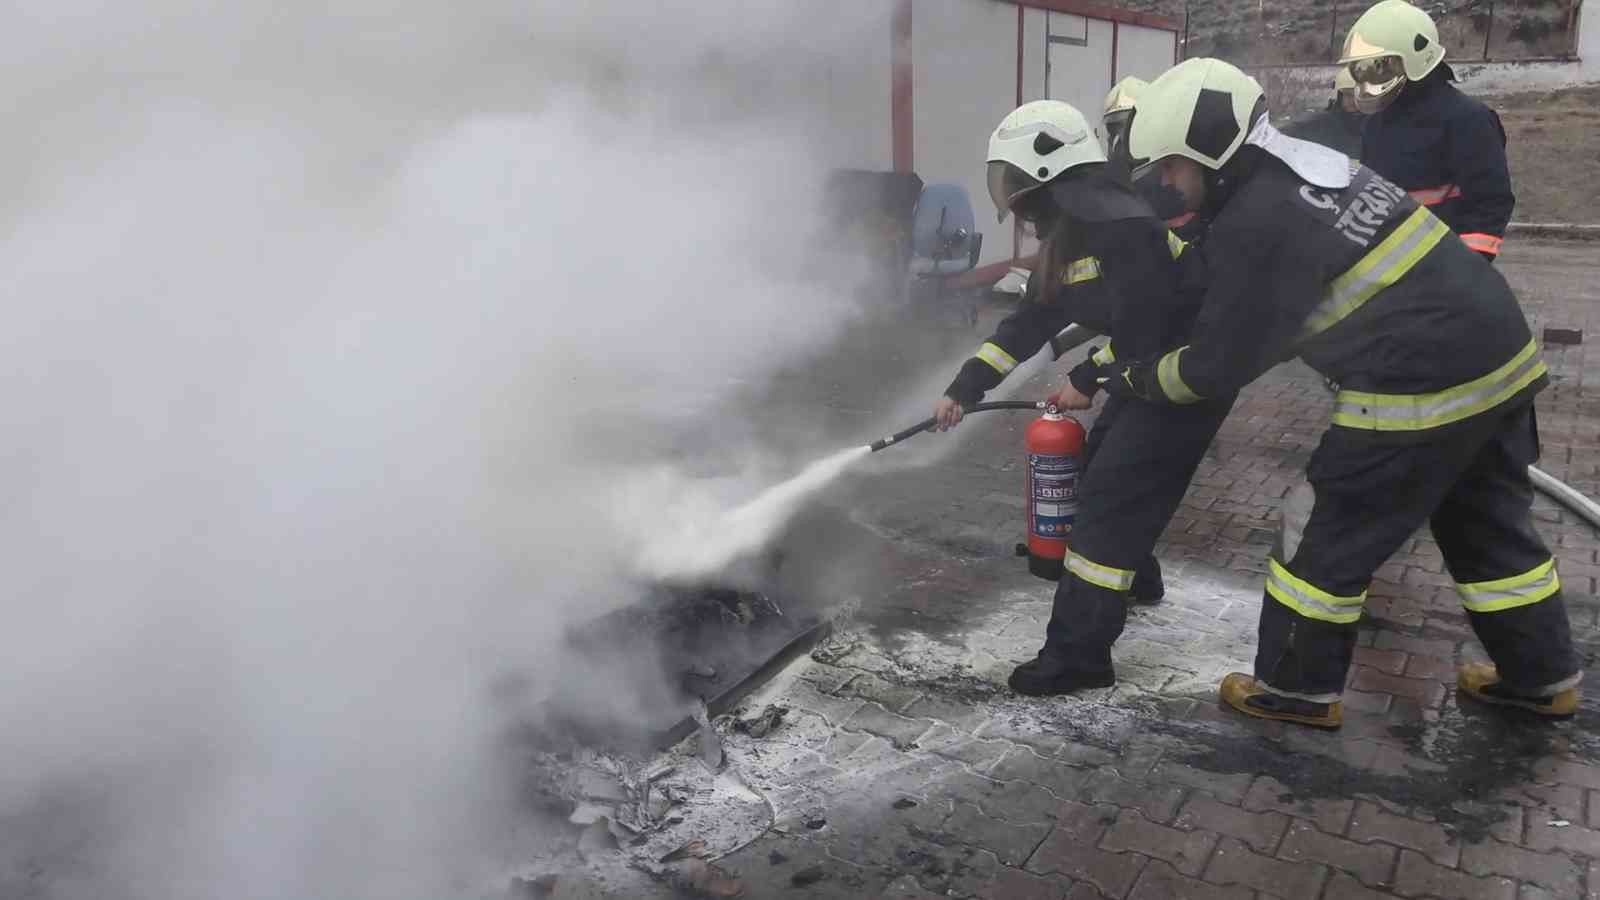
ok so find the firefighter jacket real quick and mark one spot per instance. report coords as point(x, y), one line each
point(1448, 151)
point(1332, 127)
point(1364, 284)
point(1125, 276)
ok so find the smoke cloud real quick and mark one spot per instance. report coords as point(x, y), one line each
point(330, 331)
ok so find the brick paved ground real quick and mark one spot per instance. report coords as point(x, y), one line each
point(906, 769)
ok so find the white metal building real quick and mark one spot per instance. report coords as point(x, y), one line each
point(952, 68)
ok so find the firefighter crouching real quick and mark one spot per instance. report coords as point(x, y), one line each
point(1447, 150)
point(1120, 106)
point(1107, 263)
point(1314, 256)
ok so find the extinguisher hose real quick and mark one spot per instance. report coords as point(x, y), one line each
point(926, 424)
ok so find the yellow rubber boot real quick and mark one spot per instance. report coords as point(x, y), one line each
point(1482, 681)
point(1245, 694)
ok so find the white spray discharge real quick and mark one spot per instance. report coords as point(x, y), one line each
point(309, 310)
point(696, 542)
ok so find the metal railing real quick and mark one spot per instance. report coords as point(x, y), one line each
point(1273, 32)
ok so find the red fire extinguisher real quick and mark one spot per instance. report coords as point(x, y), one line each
point(1054, 443)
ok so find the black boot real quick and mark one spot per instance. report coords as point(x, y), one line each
point(1148, 588)
point(1051, 673)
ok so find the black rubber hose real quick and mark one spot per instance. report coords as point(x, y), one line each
point(926, 424)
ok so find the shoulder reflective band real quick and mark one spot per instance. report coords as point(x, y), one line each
point(1417, 412)
point(1483, 243)
point(1531, 586)
point(998, 359)
point(1081, 270)
point(1435, 195)
point(1309, 600)
point(1384, 265)
point(1177, 244)
point(1171, 382)
point(1104, 356)
point(1100, 576)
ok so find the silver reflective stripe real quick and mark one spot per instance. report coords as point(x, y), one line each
point(998, 359)
point(1104, 356)
point(1537, 584)
point(1171, 381)
point(1081, 270)
point(1416, 412)
point(1307, 600)
point(1381, 268)
point(1103, 576)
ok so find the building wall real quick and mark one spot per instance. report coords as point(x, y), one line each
point(964, 58)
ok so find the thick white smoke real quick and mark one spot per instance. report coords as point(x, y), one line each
point(314, 312)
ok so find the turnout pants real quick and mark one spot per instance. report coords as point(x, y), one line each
point(1140, 458)
point(1362, 501)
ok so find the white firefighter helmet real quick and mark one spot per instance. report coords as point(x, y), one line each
point(1200, 109)
point(1391, 44)
point(1035, 143)
point(1124, 94)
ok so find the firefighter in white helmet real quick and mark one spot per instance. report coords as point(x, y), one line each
point(1336, 126)
point(1120, 106)
point(1433, 422)
point(1106, 262)
point(1444, 148)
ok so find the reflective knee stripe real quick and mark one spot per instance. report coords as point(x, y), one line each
point(1174, 243)
point(1417, 412)
point(1384, 265)
point(1171, 382)
point(1310, 601)
point(1436, 195)
point(1531, 586)
point(1104, 356)
point(1102, 576)
point(1081, 270)
point(998, 359)
point(1483, 243)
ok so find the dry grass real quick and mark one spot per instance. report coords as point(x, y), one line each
point(1554, 151)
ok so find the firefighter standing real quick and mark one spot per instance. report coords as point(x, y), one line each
point(1167, 203)
point(1447, 150)
point(1434, 420)
point(1338, 126)
point(1109, 264)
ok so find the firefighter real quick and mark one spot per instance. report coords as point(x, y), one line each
point(1433, 422)
point(1167, 203)
point(1337, 126)
point(1107, 263)
point(1444, 148)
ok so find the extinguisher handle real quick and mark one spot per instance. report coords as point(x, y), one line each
point(928, 423)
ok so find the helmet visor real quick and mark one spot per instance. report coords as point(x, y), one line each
point(1377, 81)
point(1007, 185)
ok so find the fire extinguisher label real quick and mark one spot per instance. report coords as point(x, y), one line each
point(1054, 504)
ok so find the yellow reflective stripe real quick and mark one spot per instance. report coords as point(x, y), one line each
point(1081, 270)
point(1394, 256)
point(1416, 412)
point(997, 358)
point(1104, 356)
point(1176, 244)
point(1536, 584)
point(1111, 579)
point(1171, 382)
point(1309, 600)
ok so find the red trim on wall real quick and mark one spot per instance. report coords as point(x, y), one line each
point(1115, 27)
point(1095, 11)
point(900, 89)
point(1016, 227)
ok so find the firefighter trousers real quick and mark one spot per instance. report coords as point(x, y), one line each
point(1363, 500)
point(1140, 460)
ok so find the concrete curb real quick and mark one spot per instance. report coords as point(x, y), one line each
point(1559, 230)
